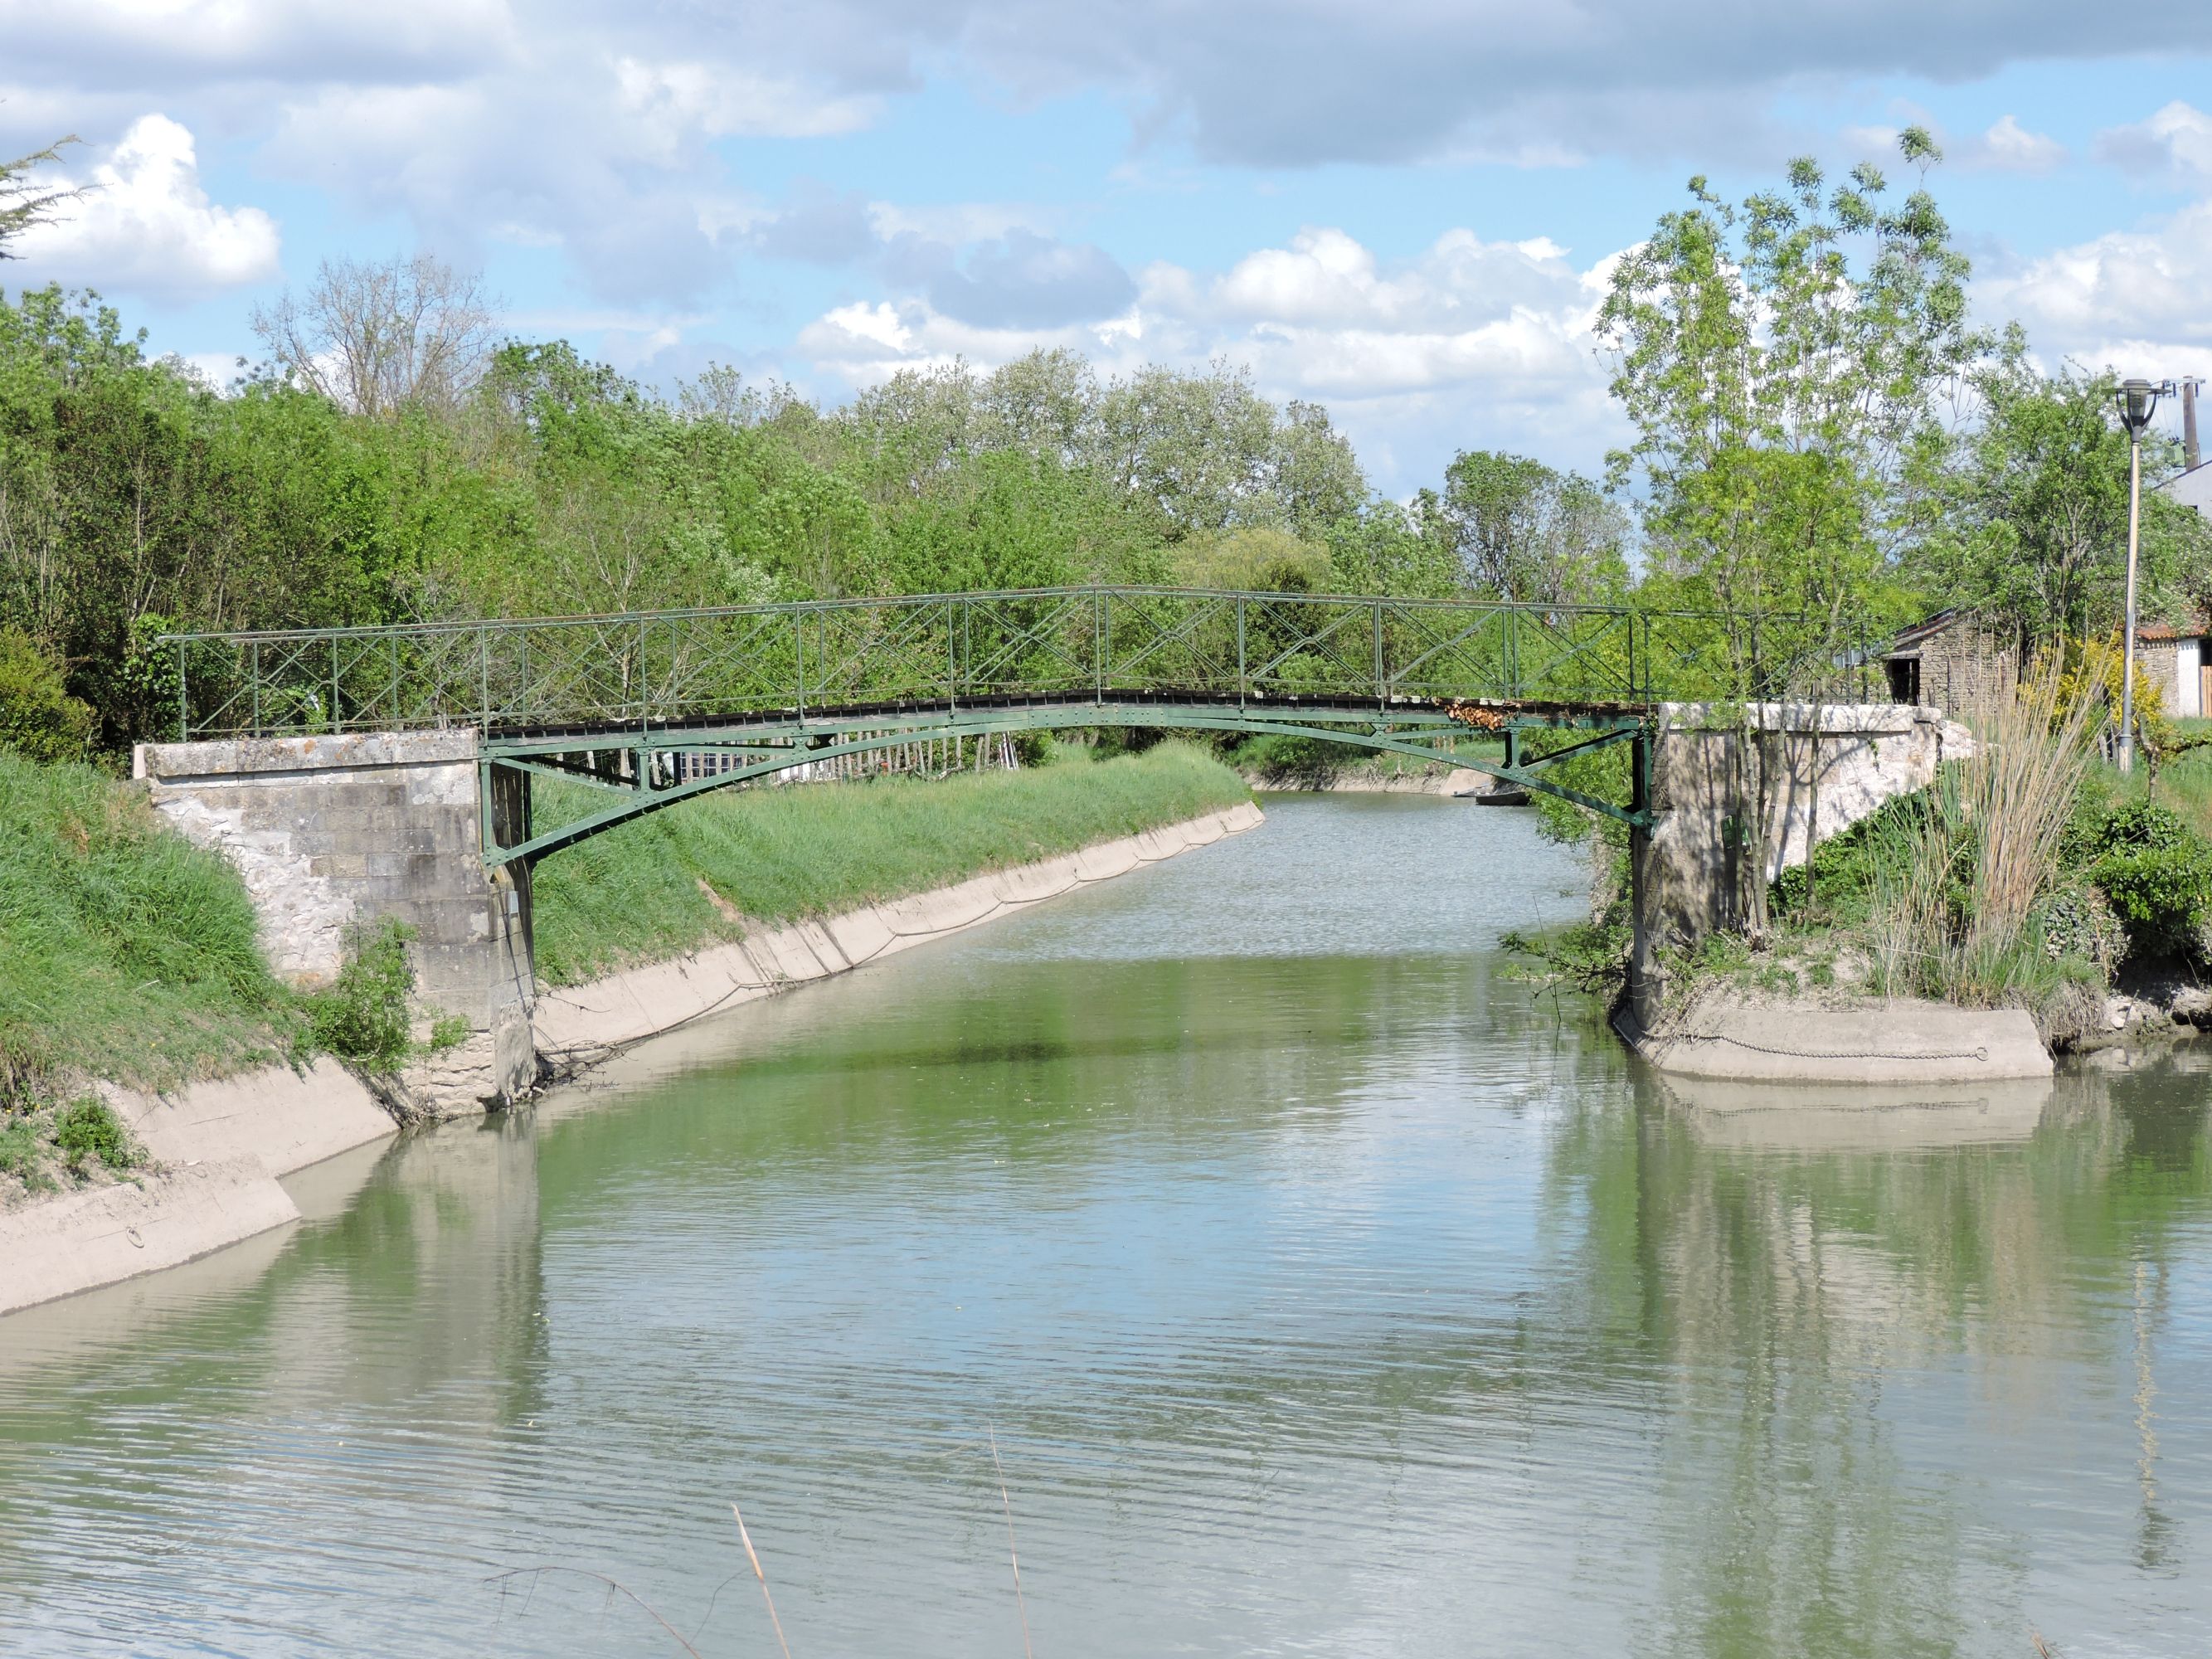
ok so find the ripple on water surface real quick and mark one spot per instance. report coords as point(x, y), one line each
point(1327, 1288)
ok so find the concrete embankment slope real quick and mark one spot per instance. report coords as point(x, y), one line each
point(1724, 1035)
point(219, 1148)
point(579, 1025)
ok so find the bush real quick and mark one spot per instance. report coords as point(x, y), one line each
point(89, 1128)
point(362, 1017)
point(2077, 920)
point(2142, 825)
point(39, 719)
point(2162, 894)
point(2152, 868)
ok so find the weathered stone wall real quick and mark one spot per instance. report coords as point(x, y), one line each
point(1827, 768)
point(331, 833)
point(1964, 666)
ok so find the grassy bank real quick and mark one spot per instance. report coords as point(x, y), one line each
point(775, 855)
point(126, 952)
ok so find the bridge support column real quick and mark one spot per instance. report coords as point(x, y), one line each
point(1820, 770)
point(334, 834)
point(1646, 978)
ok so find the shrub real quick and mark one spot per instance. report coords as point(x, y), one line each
point(89, 1128)
point(2162, 894)
point(2141, 824)
point(363, 1015)
point(39, 719)
point(2076, 919)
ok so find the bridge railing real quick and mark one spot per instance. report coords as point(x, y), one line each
point(658, 667)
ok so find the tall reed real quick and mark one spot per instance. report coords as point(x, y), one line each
point(1957, 891)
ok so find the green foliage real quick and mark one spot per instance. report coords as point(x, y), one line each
point(2162, 894)
point(2076, 920)
point(1526, 534)
point(2152, 867)
point(1288, 762)
point(1786, 363)
point(39, 719)
point(88, 1129)
point(1591, 955)
point(362, 1017)
point(2035, 511)
point(126, 952)
point(671, 883)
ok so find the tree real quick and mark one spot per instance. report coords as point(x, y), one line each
point(2036, 527)
point(1526, 534)
point(1787, 364)
point(23, 202)
point(378, 337)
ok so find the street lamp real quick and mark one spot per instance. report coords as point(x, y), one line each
point(2138, 401)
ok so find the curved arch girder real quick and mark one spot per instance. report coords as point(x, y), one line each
point(632, 800)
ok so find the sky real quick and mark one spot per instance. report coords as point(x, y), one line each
point(1403, 211)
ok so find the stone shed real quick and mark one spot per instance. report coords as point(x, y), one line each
point(1951, 660)
point(2177, 658)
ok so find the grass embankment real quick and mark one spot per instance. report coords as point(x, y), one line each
point(127, 953)
point(780, 854)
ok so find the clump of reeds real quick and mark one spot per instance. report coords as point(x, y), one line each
point(1956, 897)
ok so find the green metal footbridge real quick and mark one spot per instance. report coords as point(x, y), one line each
point(654, 708)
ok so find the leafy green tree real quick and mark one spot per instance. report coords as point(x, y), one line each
point(2036, 530)
point(1383, 548)
point(1527, 533)
point(1787, 364)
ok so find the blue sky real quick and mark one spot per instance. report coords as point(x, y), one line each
point(1402, 211)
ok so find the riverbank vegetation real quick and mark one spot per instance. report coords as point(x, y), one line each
point(2033, 874)
point(706, 872)
point(130, 955)
point(1821, 446)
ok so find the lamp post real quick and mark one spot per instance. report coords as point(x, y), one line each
point(2138, 401)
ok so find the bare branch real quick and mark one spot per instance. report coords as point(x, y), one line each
point(376, 337)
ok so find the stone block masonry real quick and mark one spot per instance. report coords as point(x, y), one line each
point(332, 834)
point(1826, 768)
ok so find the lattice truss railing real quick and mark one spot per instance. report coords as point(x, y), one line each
point(642, 670)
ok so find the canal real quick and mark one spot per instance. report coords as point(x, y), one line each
point(1324, 1289)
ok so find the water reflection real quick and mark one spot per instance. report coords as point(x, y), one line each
point(1326, 1289)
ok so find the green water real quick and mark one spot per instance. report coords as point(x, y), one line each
point(1326, 1291)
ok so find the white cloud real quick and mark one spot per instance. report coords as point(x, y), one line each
point(676, 103)
point(2133, 300)
point(1470, 344)
point(2176, 141)
point(2008, 147)
point(172, 45)
point(145, 223)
